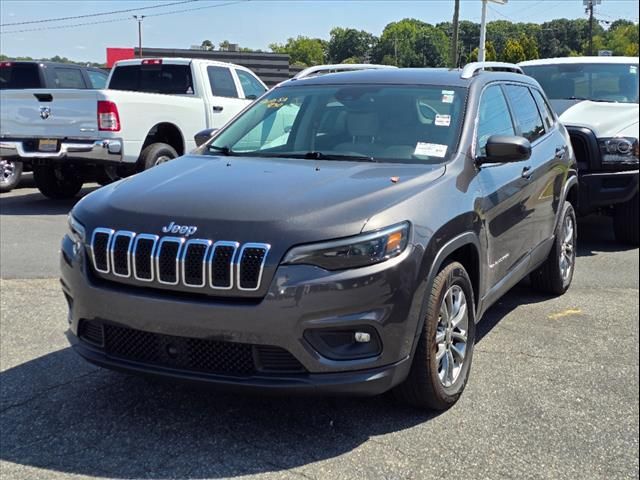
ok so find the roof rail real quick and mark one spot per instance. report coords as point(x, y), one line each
point(473, 68)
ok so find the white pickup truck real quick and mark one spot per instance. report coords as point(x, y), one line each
point(148, 114)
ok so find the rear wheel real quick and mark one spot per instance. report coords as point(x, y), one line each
point(441, 363)
point(57, 182)
point(156, 154)
point(625, 221)
point(10, 173)
point(554, 276)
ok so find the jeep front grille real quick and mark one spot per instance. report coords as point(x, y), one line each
point(197, 263)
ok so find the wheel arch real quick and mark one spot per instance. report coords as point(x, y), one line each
point(165, 132)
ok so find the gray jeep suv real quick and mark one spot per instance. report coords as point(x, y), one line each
point(344, 234)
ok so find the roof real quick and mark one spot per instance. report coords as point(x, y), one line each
point(576, 60)
point(176, 61)
point(48, 64)
point(407, 76)
point(341, 67)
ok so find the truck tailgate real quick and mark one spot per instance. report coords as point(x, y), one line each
point(49, 113)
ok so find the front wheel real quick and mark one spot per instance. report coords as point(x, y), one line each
point(156, 154)
point(57, 182)
point(10, 173)
point(626, 221)
point(442, 360)
point(554, 276)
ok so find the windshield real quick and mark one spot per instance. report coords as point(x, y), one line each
point(604, 82)
point(352, 122)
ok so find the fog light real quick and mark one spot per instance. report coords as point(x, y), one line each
point(362, 337)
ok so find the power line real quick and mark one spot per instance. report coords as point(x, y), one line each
point(121, 19)
point(98, 14)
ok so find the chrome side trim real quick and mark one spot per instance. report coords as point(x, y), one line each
point(185, 250)
point(110, 233)
point(180, 241)
point(264, 246)
point(234, 258)
point(121, 233)
point(144, 236)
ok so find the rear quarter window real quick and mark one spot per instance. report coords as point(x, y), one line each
point(525, 112)
point(16, 76)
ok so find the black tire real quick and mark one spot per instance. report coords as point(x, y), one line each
point(106, 175)
point(10, 173)
point(549, 277)
point(155, 154)
point(423, 388)
point(57, 182)
point(625, 221)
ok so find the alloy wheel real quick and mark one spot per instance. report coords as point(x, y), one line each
point(451, 335)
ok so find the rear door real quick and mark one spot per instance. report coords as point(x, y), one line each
point(224, 95)
point(505, 206)
point(547, 161)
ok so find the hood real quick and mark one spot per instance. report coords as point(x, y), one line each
point(277, 201)
point(605, 119)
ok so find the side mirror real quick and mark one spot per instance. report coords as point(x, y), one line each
point(506, 149)
point(203, 136)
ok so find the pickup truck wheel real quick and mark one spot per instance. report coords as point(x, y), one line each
point(554, 276)
point(57, 182)
point(155, 154)
point(10, 173)
point(441, 363)
point(626, 221)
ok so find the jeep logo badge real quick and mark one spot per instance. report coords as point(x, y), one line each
point(45, 112)
point(186, 230)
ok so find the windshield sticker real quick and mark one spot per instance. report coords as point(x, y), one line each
point(633, 69)
point(443, 120)
point(447, 96)
point(430, 150)
point(275, 102)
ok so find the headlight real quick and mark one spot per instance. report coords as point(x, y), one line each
point(353, 252)
point(76, 230)
point(619, 150)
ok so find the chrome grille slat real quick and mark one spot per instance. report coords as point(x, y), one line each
point(120, 253)
point(144, 248)
point(196, 263)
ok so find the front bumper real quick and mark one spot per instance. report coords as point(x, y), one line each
point(603, 189)
point(381, 298)
point(85, 150)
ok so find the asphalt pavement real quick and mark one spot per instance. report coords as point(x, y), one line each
point(553, 391)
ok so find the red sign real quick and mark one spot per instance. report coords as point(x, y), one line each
point(115, 54)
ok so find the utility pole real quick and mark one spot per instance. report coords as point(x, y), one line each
point(453, 61)
point(139, 18)
point(590, 4)
point(483, 27)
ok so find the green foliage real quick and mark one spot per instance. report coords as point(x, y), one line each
point(529, 46)
point(302, 51)
point(412, 43)
point(207, 45)
point(513, 52)
point(347, 43)
point(623, 39)
point(489, 53)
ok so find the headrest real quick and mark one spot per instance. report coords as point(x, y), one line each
point(362, 124)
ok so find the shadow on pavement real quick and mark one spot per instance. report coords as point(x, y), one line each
point(34, 203)
point(595, 235)
point(95, 422)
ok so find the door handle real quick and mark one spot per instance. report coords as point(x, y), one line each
point(560, 152)
point(217, 108)
point(526, 172)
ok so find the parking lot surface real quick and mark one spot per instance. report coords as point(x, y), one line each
point(553, 392)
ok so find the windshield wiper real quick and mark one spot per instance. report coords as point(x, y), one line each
point(336, 156)
point(590, 99)
point(223, 150)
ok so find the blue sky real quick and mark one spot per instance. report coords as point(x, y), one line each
point(253, 23)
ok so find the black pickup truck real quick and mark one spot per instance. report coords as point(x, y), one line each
point(16, 75)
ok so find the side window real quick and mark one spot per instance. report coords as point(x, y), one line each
point(493, 118)
point(525, 112)
point(250, 85)
point(544, 107)
point(97, 79)
point(68, 78)
point(221, 81)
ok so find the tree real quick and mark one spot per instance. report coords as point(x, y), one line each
point(412, 43)
point(207, 45)
point(529, 46)
point(224, 45)
point(489, 53)
point(349, 43)
point(302, 50)
point(513, 52)
point(623, 40)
